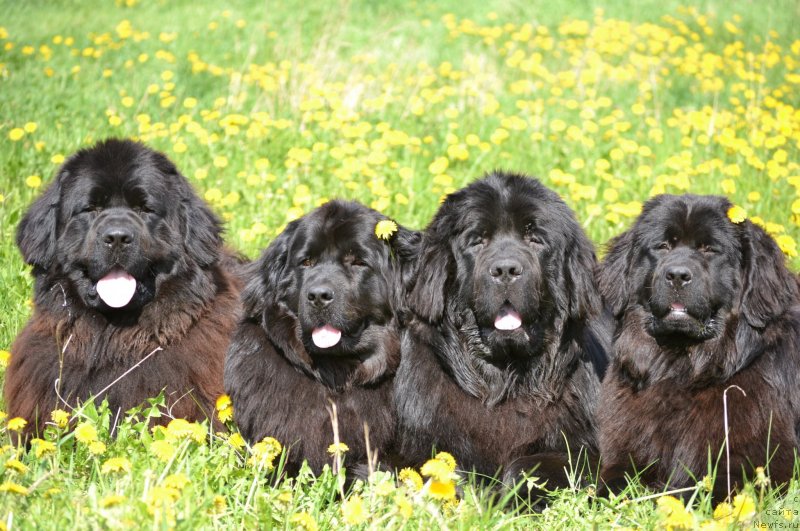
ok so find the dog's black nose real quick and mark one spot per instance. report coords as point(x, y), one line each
point(116, 237)
point(506, 270)
point(678, 276)
point(320, 296)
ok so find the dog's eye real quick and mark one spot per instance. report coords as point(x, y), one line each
point(706, 249)
point(535, 239)
point(478, 239)
point(664, 246)
point(91, 209)
point(307, 262)
point(358, 262)
point(142, 209)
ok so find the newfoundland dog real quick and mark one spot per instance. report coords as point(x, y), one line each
point(703, 305)
point(133, 293)
point(502, 362)
point(321, 328)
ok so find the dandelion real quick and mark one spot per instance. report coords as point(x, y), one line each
point(85, 432)
point(13, 488)
point(303, 520)
point(16, 465)
point(111, 500)
point(116, 464)
point(737, 214)
point(385, 228)
point(263, 453)
point(183, 429)
point(339, 448)
point(354, 512)
point(438, 470)
point(5, 355)
point(97, 448)
point(224, 408)
point(33, 181)
point(236, 440)
point(176, 481)
point(42, 447)
point(16, 134)
point(163, 450)
point(17, 424)
point(220, 161)
point(439, 165)
point(60, 418)
point(410, 478)
point(787, 245)
point(673, 515)
point(220, 504)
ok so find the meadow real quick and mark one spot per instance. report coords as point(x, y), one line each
point(272, 108)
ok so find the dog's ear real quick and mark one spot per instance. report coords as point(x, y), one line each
point(769, 287)
point(427, 292)
point(202, 228)
point(37, 232)
point(264, 277)
point(614, 274)
point(406, 245)
point(580, 267)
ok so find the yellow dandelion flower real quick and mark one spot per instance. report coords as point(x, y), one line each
point(16, 465)
point(111, 500)
point(58, 158)
point(442, 490)
point(744, 508)
point(17, 424)
point(439, 165)
point(263, 453)
point(13, 488)
point(737, 214)
point(385, 228)
point(447, 459)
point(60, 418)
point(5, 355)
point(116, 464)
point(303, 520)
point(30, 127)
point(338, 448)
point(236, 440)
point(220, 504)
point(42, 447)
point(787, 245)
point(33, 181)
point(85, 432)
point(176, 481)
point(16, 134)
point(220, 161)
point(163, 450)
point(183, 429)
point(224, 408)
point(354, 512)
point(403, 506)
point(728, 186)
point(97, 448)
point(438, 470)
point(410, 478)
point(673, 514)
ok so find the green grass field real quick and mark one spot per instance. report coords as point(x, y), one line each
point(271, 108)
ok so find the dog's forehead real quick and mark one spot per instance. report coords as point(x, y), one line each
point(691, 219)
point(338, 229)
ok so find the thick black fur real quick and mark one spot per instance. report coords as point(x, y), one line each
point(281, 384)
point(502, 401)
point(186, 300)
point(701, 304)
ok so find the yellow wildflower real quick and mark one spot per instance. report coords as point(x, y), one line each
point(17, 424)
point(183, 429)
point(42, 447)
point(224, 408)
point(673, 514)
point(163, 450)
point(303, 520)
point(86, 433)
point(787, 245)
point(263, 453)
point(97, 448)
point(353, 510)
point(737, 214)
point(176, 481)
point(15, 134)
point(60, 418)
point(385, 228)
point(236, 440)
point(338, 448)
point(410, 478)
point(8, 486)
point(116, 464)
point(111, 500)
point(16, 465)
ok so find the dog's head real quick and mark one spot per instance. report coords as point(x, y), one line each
point(508, 250)
point(115, 225)
point(689, 267)
point(329, 286)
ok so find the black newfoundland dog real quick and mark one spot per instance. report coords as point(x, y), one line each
point(703, 304)
point(321, 328)
point(502, 363)
point(126, 260)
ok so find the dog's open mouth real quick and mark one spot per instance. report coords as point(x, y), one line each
point(507, 318)
point(116, 288)
point(676, 309)
point(326, 336)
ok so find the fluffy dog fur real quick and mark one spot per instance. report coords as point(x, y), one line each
point(502, 400)
point(702, 304)
point(121, 205)
point(327, 268)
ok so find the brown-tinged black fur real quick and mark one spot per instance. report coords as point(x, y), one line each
point(702, 304)
point(282, 385)
point(186, 303)
point(502, 401)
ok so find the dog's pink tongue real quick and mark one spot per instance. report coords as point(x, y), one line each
point(507, 319)
point(116, 288)
point(325, 336)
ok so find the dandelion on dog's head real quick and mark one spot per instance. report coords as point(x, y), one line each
point(385, 228)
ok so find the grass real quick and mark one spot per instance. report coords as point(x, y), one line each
point(270, 108)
